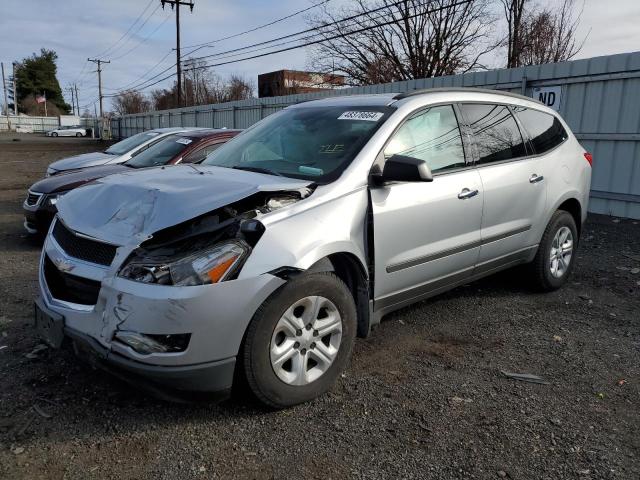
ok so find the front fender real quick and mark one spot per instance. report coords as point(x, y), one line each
point(301, 239)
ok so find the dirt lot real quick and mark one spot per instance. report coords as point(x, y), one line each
point(423, 398)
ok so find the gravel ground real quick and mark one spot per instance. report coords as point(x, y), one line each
point(423, 397)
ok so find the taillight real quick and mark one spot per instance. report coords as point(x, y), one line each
point(589, 158)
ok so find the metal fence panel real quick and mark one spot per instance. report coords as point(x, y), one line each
point(599, 100)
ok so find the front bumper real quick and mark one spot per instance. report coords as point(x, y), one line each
point(172, 383)
point(216, 316)
point(38, 220)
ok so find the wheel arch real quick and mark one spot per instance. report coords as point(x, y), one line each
point(348, 268)
point(573, 207)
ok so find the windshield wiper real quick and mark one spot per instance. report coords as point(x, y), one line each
point(259, 170)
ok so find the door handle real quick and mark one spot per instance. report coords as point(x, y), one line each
point(535, 178)
point(466, 193)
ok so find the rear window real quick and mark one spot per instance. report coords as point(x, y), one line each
point(495, 133)
point(545, 130)
point(160, 153)
point(130, 143)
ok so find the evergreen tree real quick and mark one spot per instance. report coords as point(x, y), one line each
point(37, 75)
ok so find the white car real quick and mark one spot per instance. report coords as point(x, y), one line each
point(67, 132)
point(117, 153)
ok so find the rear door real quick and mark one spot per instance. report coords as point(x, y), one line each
point(512, 181)
point(426, 234)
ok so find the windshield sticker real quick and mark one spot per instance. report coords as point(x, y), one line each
point(368, 116)
point(184, 141)
point(329, 148)
point(152, 134)
point(310, 170)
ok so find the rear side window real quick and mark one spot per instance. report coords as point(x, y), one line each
point(495, 133)
point(431, 135)
point(545, 131)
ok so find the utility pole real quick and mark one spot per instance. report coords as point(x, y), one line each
point(15, 91)
point(6, 103)
point(77, 99)
point(73, 102)
point(99, 63)
point(177, 4)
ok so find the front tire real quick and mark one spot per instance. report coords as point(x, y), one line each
point(54, 134)
point(555, 258)
point(300, 340)
point(78, 134)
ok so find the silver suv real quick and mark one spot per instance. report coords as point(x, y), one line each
point(266, 261)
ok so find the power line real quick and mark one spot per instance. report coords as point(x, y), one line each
point(201, 45)
point(314, 42)
point(312, 29)
point(235, 35)
point(141, 42)
point(104, 52)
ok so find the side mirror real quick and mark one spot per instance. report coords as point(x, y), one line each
point(400, 168)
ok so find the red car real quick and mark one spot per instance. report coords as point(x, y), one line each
point(183, 147)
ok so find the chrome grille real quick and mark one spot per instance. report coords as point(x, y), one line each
point(83, 248)
point(33, 198)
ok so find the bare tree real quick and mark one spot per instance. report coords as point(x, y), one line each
point(402, 41)
point(239, 88)
point(551, 35)
point(514, 13)
point(540, 35)
point(131, 101)
point(202, 86)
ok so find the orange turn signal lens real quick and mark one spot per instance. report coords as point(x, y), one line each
point(217, 272)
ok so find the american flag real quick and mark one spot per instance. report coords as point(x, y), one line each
point(41, 99)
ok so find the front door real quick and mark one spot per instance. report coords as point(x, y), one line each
point(426, 234)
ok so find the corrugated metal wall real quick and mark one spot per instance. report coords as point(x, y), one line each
point(600, 102)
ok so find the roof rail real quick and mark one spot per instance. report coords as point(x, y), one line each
point(422, 91)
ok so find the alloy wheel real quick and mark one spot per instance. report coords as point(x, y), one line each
point(561, 252)
point(306, 340)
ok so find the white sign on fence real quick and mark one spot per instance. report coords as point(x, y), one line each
point(550, 96)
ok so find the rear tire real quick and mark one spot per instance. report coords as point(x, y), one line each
point(556, 254)
point(310, 321)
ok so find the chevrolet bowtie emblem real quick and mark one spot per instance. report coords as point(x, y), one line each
point(62, 264)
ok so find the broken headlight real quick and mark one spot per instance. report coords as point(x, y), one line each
point(207, 266)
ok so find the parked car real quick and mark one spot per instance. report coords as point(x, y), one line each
point(68, 131)
point(270, 257)
point(185, 147)
point(117, 153)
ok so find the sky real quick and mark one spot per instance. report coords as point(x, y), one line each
point(78, 29)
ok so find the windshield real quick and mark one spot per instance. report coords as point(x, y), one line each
point(130, 143)
point(311, 143)
point(160, 153)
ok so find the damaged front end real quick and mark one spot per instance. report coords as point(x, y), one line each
point(170, 308)
point(208, 249)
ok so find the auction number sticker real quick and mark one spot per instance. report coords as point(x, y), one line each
point(184, 141)
point(368, 116)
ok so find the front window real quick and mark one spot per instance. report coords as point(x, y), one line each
point(311, 143)
point(130, 143)
point(160, 153)
point(431, 135)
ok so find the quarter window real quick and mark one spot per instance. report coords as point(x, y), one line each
point(545, 131)
point(431, 135)
point(495, 132)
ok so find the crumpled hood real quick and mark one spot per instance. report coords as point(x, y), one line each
point(85, 160)
point(127, 208)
